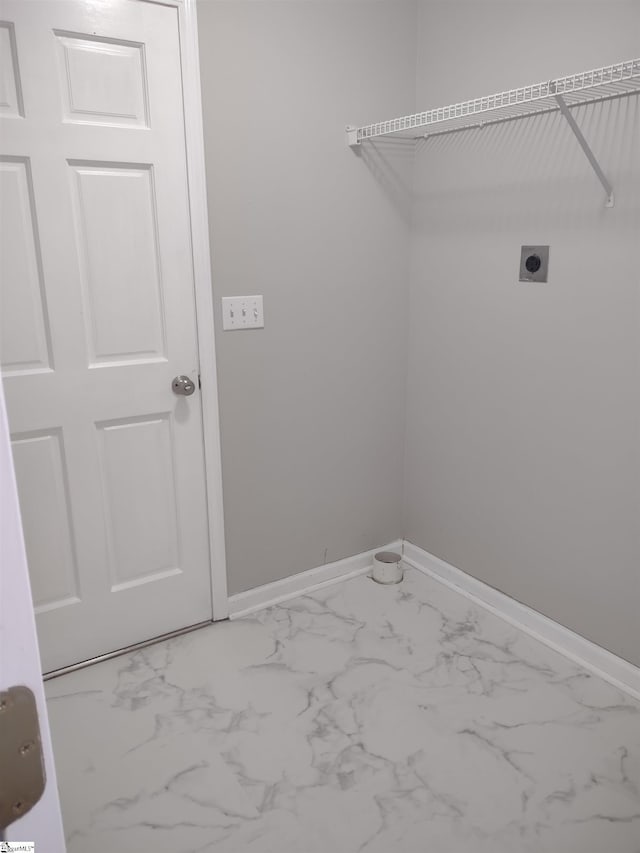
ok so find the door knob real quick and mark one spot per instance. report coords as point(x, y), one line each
point(183, 385)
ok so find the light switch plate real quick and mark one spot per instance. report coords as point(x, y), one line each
point(242, 312)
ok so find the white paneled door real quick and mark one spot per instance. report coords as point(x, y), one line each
point(97, 318)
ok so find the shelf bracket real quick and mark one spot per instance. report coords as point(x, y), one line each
point(352, 136)
point(566, 112)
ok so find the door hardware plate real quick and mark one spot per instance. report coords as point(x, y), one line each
point(23, 778)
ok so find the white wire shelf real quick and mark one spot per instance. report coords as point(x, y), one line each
point(612, 81)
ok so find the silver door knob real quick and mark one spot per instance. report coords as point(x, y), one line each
point(183, 385)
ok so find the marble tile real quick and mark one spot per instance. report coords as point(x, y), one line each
point(360, 718)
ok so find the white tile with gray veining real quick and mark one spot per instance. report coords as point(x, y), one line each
point(359, 718)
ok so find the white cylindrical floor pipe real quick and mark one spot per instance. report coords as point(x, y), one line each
point(387, 567)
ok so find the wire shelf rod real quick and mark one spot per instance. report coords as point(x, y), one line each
point(620, 79)
point(586, 87)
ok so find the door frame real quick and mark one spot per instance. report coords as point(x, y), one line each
point(19, 652)
point(200, 250)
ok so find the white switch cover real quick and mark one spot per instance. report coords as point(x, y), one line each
point(242, 312)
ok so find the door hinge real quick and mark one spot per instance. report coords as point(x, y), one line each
point(23, 777)
point(199, 382)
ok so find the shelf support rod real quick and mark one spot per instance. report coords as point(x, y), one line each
point(566, 112)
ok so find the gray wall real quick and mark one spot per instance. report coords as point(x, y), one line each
point(522, 457)
point(312, 407)
point(523, 435)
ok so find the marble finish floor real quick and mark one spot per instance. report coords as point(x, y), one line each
point(359, 718)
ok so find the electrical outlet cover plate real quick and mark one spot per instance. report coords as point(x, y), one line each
point(242, 312)
point(534, 263)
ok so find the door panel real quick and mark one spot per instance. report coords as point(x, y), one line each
point(97, 317)
point(139, 486)
point(117, 238)
point(41, 472)
point(103, 81)
point(10, 90)
point(24, 334)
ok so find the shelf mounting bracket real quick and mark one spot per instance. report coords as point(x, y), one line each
point(352, 136)
point(566, 112)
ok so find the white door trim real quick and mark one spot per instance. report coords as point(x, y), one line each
point(196, 177)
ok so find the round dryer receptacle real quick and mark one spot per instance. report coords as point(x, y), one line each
point(533, 263)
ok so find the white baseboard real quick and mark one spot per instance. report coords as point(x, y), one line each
point(612, 668)
point(302, 583)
